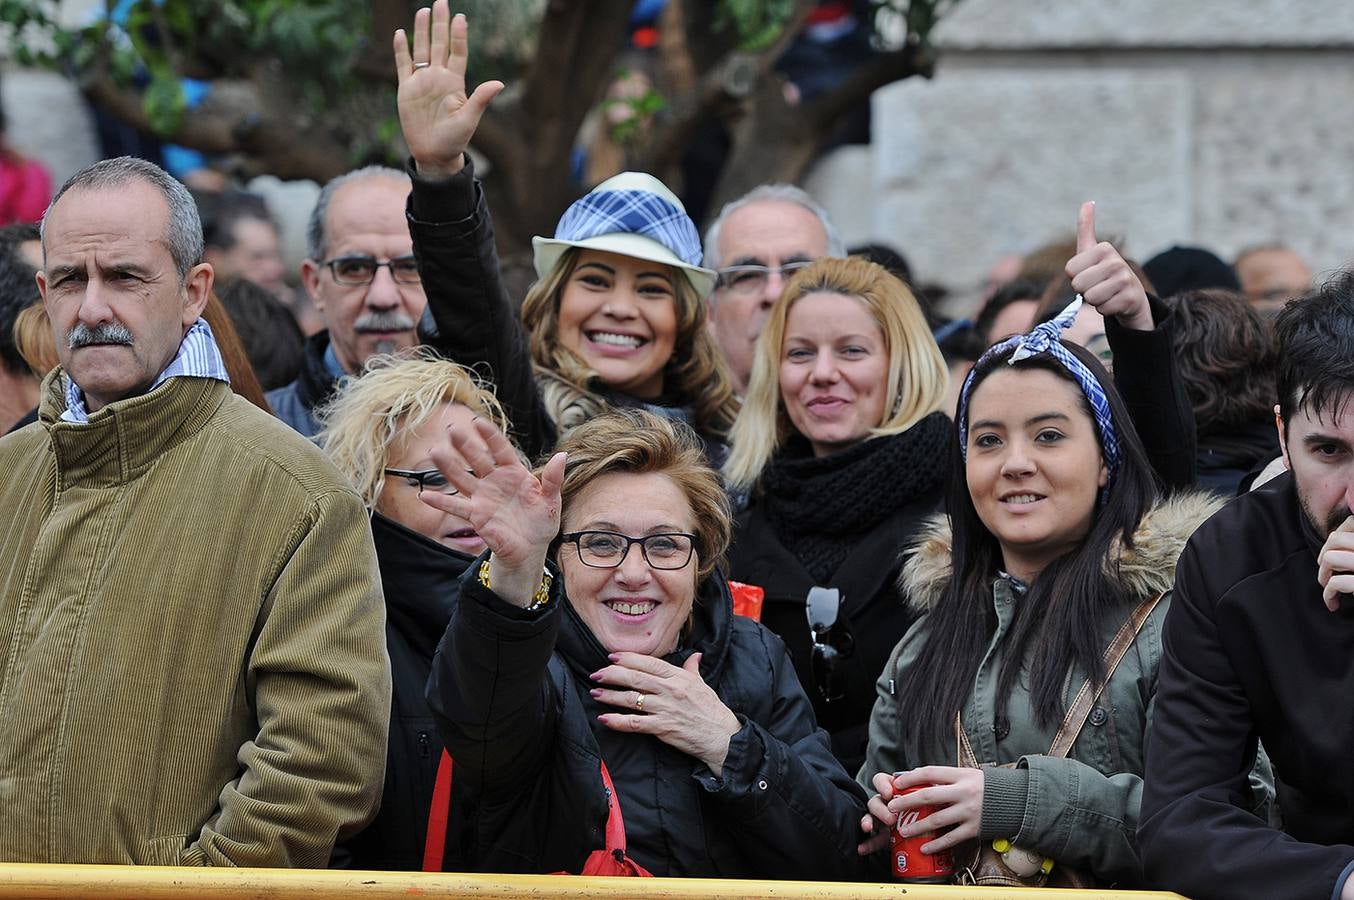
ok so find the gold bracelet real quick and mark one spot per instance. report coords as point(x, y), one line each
point(538, 600)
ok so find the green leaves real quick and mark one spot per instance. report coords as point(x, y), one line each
point(756, 23)
point(164, 101)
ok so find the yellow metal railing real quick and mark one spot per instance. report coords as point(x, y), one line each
point(162, 883)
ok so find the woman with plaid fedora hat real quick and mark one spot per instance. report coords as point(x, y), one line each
point(618, 315)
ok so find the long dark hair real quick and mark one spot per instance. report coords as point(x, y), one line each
point(1058, 623)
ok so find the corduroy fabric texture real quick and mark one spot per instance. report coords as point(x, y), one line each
point(193, 666)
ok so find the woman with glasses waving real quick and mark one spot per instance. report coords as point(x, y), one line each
point(381, 431)
point(617, 317)
point(1043, 595)
point(597, 635)
point(841, 446)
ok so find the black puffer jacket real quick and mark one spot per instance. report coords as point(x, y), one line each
point(840, 521)
point(510, 688)
point(419, 577)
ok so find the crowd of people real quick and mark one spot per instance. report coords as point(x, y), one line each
point(716, 558)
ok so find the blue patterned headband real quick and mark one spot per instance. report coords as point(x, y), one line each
point(1045, 339)
point(632, 212)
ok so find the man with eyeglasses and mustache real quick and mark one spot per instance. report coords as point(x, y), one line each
point(1259, 647)
point(361, 274)
point(756, 244)
point(192, 651)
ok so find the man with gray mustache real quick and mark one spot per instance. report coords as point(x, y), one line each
point(361, 274)
point(192, 632)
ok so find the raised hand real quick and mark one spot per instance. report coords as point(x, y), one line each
point(436, 115)
point(677, 706)
point(1103, 277)
point(1335, 572)
point(514, 512)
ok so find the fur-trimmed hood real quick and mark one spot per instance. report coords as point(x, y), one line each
point(1146, 568)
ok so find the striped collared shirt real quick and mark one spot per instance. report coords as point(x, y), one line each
point(198, 357)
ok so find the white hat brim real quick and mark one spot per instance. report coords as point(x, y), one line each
point(547, 251)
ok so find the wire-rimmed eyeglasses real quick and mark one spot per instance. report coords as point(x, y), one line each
point(751, 279)
point(829, 649)
point(360, 269)
point(608, 549)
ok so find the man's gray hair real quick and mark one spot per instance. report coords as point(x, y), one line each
point(780, 193)
point(316, 240)
point(183, 234)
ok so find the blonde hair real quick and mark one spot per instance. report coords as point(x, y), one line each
point(638, 441)
point(34, 341)
point(395, 394)
point(696, 372)
point(917, 377)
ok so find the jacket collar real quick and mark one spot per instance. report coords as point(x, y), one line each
point(315, 382)
point(1145, 569)
point(418, 576)
point(122, 440)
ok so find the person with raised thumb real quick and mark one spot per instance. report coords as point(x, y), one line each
point(1131, 332)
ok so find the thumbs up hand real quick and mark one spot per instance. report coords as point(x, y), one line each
point(1104, 279)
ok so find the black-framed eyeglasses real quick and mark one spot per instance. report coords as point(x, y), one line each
point(829, 648)
point(424, 479)
point(360, 269)
point(752, 278)
point(608, 549)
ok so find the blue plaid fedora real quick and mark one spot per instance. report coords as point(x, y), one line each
point(632, 214)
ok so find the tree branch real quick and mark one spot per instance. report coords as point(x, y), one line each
point(735, 77)
point(494, 138)
point(885, 68)
point(575, 51)
point(229, 123)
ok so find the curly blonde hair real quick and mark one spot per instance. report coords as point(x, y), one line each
point(635, 440)
point(395, 394)
point(917, 377)
point(696, 372)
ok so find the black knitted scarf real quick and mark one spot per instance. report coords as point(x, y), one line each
point(820, 506)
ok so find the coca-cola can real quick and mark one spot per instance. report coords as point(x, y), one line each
point(909, 863)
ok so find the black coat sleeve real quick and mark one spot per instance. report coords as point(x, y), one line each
point(797, 809)
point(489, 690)
point(1196, 834)
point(1146, 374)
point(469, 318)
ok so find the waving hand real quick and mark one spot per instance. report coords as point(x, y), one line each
point(515, 513)
point(437, 116)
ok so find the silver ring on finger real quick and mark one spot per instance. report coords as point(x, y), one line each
point(639, 702)
point(422, 65)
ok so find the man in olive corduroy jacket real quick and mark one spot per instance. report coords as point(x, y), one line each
point(192, 646)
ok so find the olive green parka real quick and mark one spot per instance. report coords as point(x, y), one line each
point(1083, 810)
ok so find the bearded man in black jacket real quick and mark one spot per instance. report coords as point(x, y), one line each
point(1259, 647)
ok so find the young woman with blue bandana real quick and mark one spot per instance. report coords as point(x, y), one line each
point(617, 317)
point(1055, 544)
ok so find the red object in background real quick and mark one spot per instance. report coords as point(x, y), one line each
point(747, 600)
point(909, 863)
point(25, 189)
point(644, 38)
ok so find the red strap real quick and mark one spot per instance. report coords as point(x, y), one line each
point(435, 847)
point(615, 825)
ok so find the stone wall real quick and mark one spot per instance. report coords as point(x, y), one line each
point(1221, 123)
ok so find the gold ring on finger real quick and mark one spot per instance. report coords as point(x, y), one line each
point(639, 701)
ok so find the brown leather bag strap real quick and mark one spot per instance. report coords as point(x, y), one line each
point(1081, 704)
point(963, 749)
